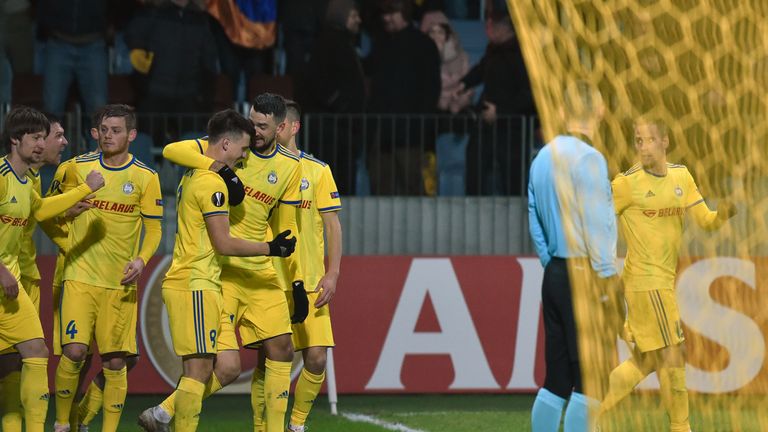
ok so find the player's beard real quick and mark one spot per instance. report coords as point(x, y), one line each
point(265, 145)
point(114, 149)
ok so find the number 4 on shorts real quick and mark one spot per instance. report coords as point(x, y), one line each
point(71, 329)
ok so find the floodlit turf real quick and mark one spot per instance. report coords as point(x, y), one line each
point(455, 413)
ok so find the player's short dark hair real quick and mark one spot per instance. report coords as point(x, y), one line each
point(581, 100)
point(97, 116)
point(228, 122)
point(293, 109)
point(270, 104)
point(117, 110)
point(20, 121)
point(52, 118)
point(393, 6)
point(661, 125)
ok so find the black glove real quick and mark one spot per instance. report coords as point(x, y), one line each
point(282, 246)
point(300, 303)
point(612, 302)
point(234, 185)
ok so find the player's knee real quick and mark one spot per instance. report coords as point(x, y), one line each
point(75, 352)
point(37, 350)
point(315, 360)
point(114, 363)
point(280, 348)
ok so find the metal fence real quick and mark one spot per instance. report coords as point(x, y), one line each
point(423, 155)
point(371, 154)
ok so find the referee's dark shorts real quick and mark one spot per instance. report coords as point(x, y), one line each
point(564, 280)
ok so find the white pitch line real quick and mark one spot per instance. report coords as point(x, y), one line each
point(363, 418)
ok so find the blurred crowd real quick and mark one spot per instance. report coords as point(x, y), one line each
point(380, 57)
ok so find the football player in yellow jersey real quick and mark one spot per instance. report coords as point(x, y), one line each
point(24, 138)
point(103, 262)
point(652, 199)
point(250, 287)
point(192, 286)
point(10, 406)
point(317, 215)
point(57, 229)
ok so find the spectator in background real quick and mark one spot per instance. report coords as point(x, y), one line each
point(173, 41)
point(447, 166)
point(404, 67)
point(495, 155)
point(336, 84)
point(454, 62)
point(245, 33)
point(75, 34)
point(301, 20)
point(16, 26)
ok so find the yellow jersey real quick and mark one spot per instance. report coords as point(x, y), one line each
point(195, 266)
point(651, 211)
point(319, 194)
point(105, 238)
point(16, 204)
point(28, 255)
point(269, 180)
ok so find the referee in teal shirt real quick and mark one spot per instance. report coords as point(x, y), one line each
point(573, 227)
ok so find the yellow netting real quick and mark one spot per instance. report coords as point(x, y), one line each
point(702, 67)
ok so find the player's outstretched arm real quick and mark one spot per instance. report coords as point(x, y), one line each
point(704, 217)
point(224, 244)
point(332, 230)
point(189, 154)
point(712, 220)
point(46, 208)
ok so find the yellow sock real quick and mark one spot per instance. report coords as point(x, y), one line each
point(212, 386)
point(257, 400)
point(115, 389)
point(34, 392)
point(91, 404)
point(189, 402)
point(277, 382)
point(67, 378)
point(10, 403)
point(622, 381)
point(169, 404)
point(675, 397)
point(307, 389)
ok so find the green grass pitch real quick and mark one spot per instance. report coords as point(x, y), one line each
point(463, 413)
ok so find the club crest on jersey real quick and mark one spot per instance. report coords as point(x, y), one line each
point(272, 177)
point(128, 188)
point(218, 199)
point(678, 191)
point(304, 184)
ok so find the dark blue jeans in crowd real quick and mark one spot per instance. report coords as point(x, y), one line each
point(65, 62)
